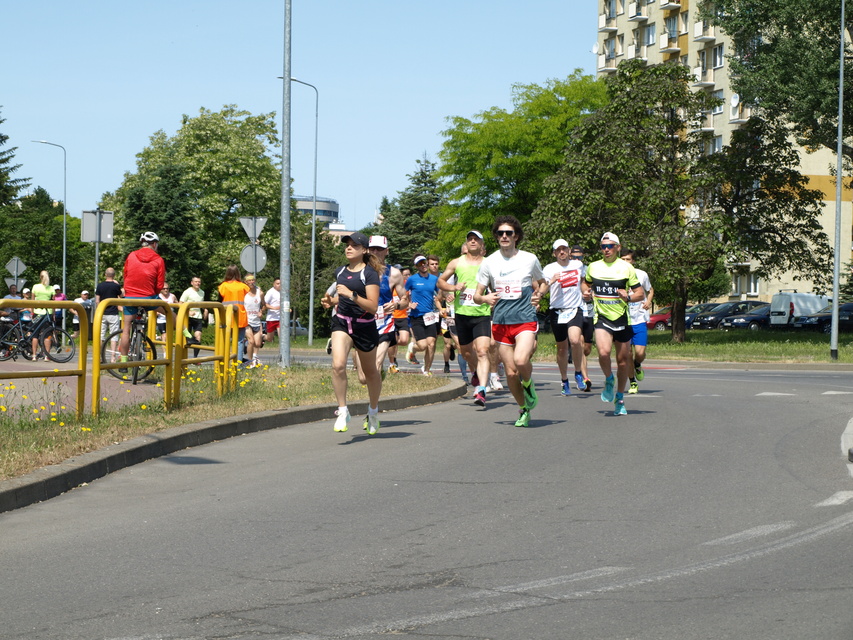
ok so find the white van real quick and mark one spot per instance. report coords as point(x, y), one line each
point(786, 306)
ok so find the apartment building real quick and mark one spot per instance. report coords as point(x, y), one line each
point(670, 30)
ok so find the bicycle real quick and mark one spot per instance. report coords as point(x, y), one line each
point(54, 342)
point(140, 348)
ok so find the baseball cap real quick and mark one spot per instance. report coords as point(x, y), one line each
point(560, 243)
point(577, 249)
point(56, 287)
point(380, 242)
point(476, 233)
point(82, 292)
point(418, 258)
point(358, 238)
point(610, 237)
point(25, 291)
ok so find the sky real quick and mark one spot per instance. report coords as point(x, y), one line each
point(100, 77)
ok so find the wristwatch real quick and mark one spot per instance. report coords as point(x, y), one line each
point(353, 296)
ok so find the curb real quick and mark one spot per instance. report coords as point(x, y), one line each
point(55, 480)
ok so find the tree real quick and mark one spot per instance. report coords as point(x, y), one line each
point(640, 167)
point(9, 186)
point(405, 222)
point(786, 59)
point(496, 163)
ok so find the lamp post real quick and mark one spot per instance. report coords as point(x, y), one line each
point(284, 252)
point(836, 270)
point(64, 212)
point(313, 212)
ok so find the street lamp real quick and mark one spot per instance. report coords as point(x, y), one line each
point(314, 212)
point(836, 269)
point(64, 212)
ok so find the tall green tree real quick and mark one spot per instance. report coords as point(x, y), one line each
point(496, 163)
point(9, 187)
point(405, 222)
point(786, 57)
point(642, 168)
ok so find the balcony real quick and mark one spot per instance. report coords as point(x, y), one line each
point(606, 64)
point(703, 32)
point(739, 112)
point(667, 5)
point(637, 12)
point(706, 123)
point(669, 45)
point(637, 51)
point(703, 77)
point(606, 23)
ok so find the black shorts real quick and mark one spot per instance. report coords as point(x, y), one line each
point(561, 331)
point(620, 329)
point(469, 328)
point(390, 338)
point(420, 331)
point(365, 335)
point(401, 324)
point(196, 324)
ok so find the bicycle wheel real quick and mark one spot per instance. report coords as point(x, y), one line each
point(9, 342)
point(57, 344)
point(141, 348)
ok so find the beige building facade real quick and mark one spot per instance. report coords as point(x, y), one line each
point(670, 30)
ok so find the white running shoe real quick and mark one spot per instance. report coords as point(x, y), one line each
point(495, 382)
point(372, 424)
point(342, 421)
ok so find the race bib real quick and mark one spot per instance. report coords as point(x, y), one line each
point(568, 279)
point(430, 318)
point(565, 315)
point(466, 298)
point(508, 288)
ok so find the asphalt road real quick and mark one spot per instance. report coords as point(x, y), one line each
point(720, 507)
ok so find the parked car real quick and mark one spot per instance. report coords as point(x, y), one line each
point(786, 306)
point(822, 320)
point(691, 313)
point(756, 319)
point(660, 319)
point(712, 319)
point(296, 328)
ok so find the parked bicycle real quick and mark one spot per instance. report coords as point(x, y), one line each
point(140, 348)
point(53, 342)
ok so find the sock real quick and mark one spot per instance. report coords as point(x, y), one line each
point(123, 359)
point(526, 383)
point(620, 397)
point(482, 389)
point(371, 411)
point(632, 379)
point(565, 382)
point(463, 367)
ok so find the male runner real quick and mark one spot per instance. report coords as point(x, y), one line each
point(423, 317)
point(640, 314)
point(516, 282)
point(401, 322)
point(392, 295)
point(613, 284)
point(564, 278)
point(473, 321)
point(577, 253)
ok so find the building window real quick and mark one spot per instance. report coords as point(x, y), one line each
point(684, 21)
point(610, 8)
point(672, 27)
point(718, 95)
point(610, 48)
point(717, 56)
point(716, 144)
point(745, 283)
point(650, 35)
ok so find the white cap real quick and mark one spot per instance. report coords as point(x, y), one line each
point(25, 291)
point(476, 233)
point(56, 286)
point(380, 242)
point(610, 237)
point(560, 243)
point(82, 292)
point(419, 258)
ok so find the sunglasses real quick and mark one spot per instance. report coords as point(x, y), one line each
point(608, 246)
point(505, 232)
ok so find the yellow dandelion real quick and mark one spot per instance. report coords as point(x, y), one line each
point(2, 408)
point(24, 397)
point(61, 424)
point(35, 410)
point(85, 429)
point(144, 406)
point(52, 404)
point(104, 399)
point(53, 419)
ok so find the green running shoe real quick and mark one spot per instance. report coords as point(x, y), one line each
point(639, 374)
point(523, 418)
point(530, 397)
point(635, 388)
point(607, 394)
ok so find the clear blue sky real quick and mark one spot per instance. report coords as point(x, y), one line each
point(100, 77)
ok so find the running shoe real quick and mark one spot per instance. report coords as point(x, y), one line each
point(393, 369)
point(372, 424)
point(452, 353)
point(410, 354)
point(607, 394)
point(480, 398)
point(343, 419)
point(587, 384)
point(446, 367)
point(567, 389)
point(365, 423)
point(530, 397)
point(639, 374)
point(329, 346)
point(475, 380)
point(523, 418)
point(580, 383)
point(634, 388)
point(256, 362)
point(428, 374)
point(495, 382)
point(620, 409)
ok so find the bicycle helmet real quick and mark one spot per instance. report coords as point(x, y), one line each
point(149, 236)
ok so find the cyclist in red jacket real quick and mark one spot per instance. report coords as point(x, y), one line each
point(144, 277)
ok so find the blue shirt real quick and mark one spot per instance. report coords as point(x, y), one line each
point(423, 290)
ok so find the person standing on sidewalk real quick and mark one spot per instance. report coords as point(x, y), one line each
point(640, 314)
point(566, 314)
point(110, 323)
point(613, 284)
point(195, 317)
point(516, 284)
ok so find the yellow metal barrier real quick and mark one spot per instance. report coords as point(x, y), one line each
point(221, 371)
point(167, 361)
point(82, 346)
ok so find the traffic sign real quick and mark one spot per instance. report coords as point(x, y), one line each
point(16, 266)
point(253, 226)
point(253, 258)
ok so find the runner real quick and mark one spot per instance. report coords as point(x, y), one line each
point(473, 321)
point(392, 295)
point(640, 314)
point(613, 284)
point(401, 322)
point(254, 305)
point(516, 282)
point(423, 317)
point(586, 329)
point(354, 325)
point(566, 314)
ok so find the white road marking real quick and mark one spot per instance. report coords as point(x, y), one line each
point(837, 393)
point(841, 497)
point(774, 393)
point(751, 534)
point(707, 395)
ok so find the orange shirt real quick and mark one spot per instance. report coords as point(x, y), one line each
point(234, 291)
